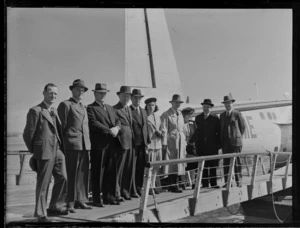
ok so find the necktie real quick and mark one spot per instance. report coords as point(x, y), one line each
point(138, 111)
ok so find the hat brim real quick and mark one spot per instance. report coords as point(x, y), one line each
point(178, 101)
point(72, 86)
point(212, 105)
point(123, 92)
point(137, 95)
point(228, 100)
point(101, 90)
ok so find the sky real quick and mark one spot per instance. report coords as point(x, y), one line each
point(217, 51)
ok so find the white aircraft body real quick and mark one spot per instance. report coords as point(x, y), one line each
point(151, 66)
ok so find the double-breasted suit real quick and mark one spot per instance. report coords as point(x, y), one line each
point(43, 138)
point(125, 158)
point(76, 139)
point(141, 140)
point(232, 130)
point(207, 141)
point(102, 118)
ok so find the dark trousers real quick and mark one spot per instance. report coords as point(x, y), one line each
point(77, 163)
point(209, 175)
point(45, 169)
point(104, 174)
point(124, 172)
point(227, 149)
point(139, 161)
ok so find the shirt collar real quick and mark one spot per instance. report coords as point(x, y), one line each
point(77, 101)
point(100, 103)
point(48, 106)
point(230, 111)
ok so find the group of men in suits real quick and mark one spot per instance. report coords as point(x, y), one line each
point(117, 138)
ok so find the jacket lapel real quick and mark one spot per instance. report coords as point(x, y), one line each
point(77, 107)
point(102, 111)
point(135, 115)
point(45, 112)
point(173, 116)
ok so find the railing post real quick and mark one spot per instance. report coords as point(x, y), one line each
point(145, 194)
point(197, 187)
point(231, 173)
point(248, 170)
point(262, 165)
point(272, 169)
point(287, 170)
point(22, 161)
point(254, 171)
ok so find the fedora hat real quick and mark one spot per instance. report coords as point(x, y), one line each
point(137, 92)
point(207, 102)
point(176, 97)
point(228, 98)
point(187, 111)
point(100, 87)
point(78, 83)
point(124, 89)
point(149, 100)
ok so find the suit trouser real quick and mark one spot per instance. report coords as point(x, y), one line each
point(139, 161)
point(210, 173)
point(227, 149)
point(104, 174)
point(45, 169)
point(77, 163)
point(124, 172)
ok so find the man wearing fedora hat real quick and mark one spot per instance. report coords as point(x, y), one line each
point(141, 140)
point(77, 144)
point(232, 130)
point(126, 137)
point(43, 138)
point(207, 141)
point(173, 141)
point(104, 126)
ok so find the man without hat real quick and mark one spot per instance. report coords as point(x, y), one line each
point(232, 130)
point(104, 127)
point(141, 140)
point(207, 141)
point(43, 138)
point(173, 141)
point(77, 144)
point(126, 137)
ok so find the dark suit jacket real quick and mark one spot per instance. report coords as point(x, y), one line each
point(140, 127)
point(207, 134)
point(74, 121)
point(39, 133)
point(125, 135)
point(100, 122)
point(236, 128)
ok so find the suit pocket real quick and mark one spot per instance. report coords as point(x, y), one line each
point(37, 143)
point(72, 135)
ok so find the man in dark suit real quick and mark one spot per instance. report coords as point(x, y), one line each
point(126, 137)
point(42, 136)
point(77, 144)
point(232, 130)
point(104, 128)
point(141, 140)
point(207, 140)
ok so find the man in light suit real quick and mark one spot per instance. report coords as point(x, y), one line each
point(77, 144)
point(104, 128)
point(42, 136)
point(232, 130)
point(141, 140)
point(173, 141)
point(126, 137)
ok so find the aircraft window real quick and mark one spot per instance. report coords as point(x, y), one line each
point(269, 115)
point(262, 116)
point(274, 116)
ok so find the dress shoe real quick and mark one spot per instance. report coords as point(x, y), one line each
point(177, 190)
point(127, 197)
point(44, 219)
point(193, 186)
point(239, 185)
point(81, 206)
point(135, 195)
point(120, 199)
point(111, 202)
point(71, 209)
point(56, 212)
point(98, 204)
